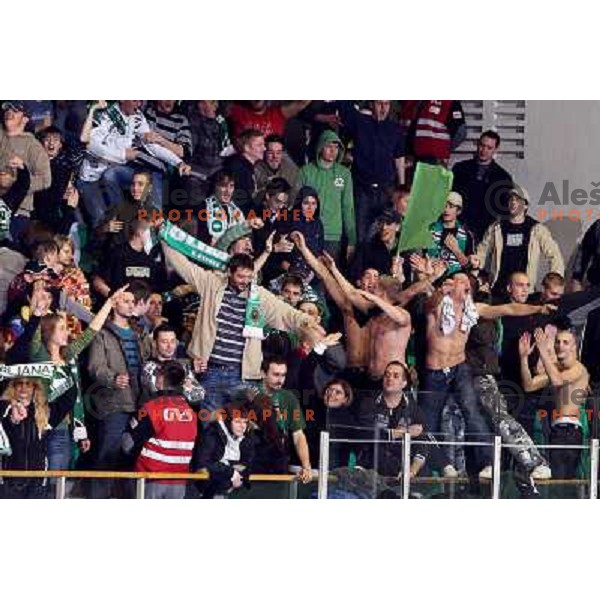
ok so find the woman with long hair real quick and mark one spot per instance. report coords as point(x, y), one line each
point(27, 418)
point(46, 338)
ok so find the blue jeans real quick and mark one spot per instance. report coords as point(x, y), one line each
point(18, 225)
point(156, 194)
point(99, 196)
point(59, 449)
point(457, 380)
point(164, 491)
point(117, 181)
point(108, 452)
point(93, 203)
point(369, 201)
point(218, 382)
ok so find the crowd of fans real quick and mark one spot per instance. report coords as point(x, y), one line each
point(209, 285)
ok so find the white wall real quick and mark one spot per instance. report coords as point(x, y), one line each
point(562, 142)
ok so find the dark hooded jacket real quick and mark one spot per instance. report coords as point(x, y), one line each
point(311, 228)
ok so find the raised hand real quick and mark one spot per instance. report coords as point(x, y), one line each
point(525, 347)
point(283, 245)
point(298, 239)
point(255, 223)
point(114, 298)
point(541, 340)
point(419, 263)
point(438, 268)
point(332, 339)
point(327, 260)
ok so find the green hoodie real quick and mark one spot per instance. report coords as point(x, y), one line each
point(336, 195)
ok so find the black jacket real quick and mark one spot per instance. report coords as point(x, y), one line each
point(587, 259)
point(49, 205)
point(245, 181)
point(388, 459)
point(483, 199)
point(29, 450)
point(209, 451)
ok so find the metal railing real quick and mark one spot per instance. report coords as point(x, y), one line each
point(325, 477)
point(498, 446)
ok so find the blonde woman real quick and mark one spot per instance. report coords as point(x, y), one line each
point(27, 418)
point(46, 339)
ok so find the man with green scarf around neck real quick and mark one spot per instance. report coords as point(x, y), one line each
point(232, 315)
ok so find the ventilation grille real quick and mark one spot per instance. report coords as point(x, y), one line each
point(507, 117)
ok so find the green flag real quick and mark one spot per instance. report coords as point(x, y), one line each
point(430, 188)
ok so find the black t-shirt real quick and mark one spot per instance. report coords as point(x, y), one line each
point(127, 265)
point(481, 349)
point(515, 243)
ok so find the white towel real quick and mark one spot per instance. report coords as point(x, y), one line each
point(448, 321)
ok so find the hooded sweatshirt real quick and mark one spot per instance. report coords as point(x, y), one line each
point(334, 186)
point(310, 228)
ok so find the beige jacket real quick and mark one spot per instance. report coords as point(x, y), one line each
point(210, 286)
point(36, 160)
point(541, 244)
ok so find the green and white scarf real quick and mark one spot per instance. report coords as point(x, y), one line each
point(254, 320)
point(5, 215)
point(44, 370)
point(193, 248)
point(221, 216)
point(184, 243)
point(59, 377)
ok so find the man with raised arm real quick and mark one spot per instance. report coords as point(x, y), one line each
point(451, 313)
point(568, 381)
point(231, 318)
point(384, 337)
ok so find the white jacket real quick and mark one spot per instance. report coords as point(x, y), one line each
point(107, 146)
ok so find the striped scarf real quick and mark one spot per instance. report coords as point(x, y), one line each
point(189, 246)
point(193, 248)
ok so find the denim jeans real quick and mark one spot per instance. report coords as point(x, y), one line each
point(117, 181)
point(218, 382)
point(93, 203)
point(156, 194)
point(109, 190)
point(18, 225)
point(457, 380)
point(59, 449)
point(108, 452)
point(164, 491)
point(369, 201)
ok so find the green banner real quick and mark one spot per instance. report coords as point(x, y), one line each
point(428, 194)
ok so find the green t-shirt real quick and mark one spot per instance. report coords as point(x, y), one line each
point(290, 417)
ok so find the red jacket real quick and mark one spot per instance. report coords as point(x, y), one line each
point(174, 428)
point(432, 123)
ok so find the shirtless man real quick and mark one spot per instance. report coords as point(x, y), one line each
point(569, 381)
point(381, 339)
point(356, 334)
point(451, 313)
point(388, 332)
